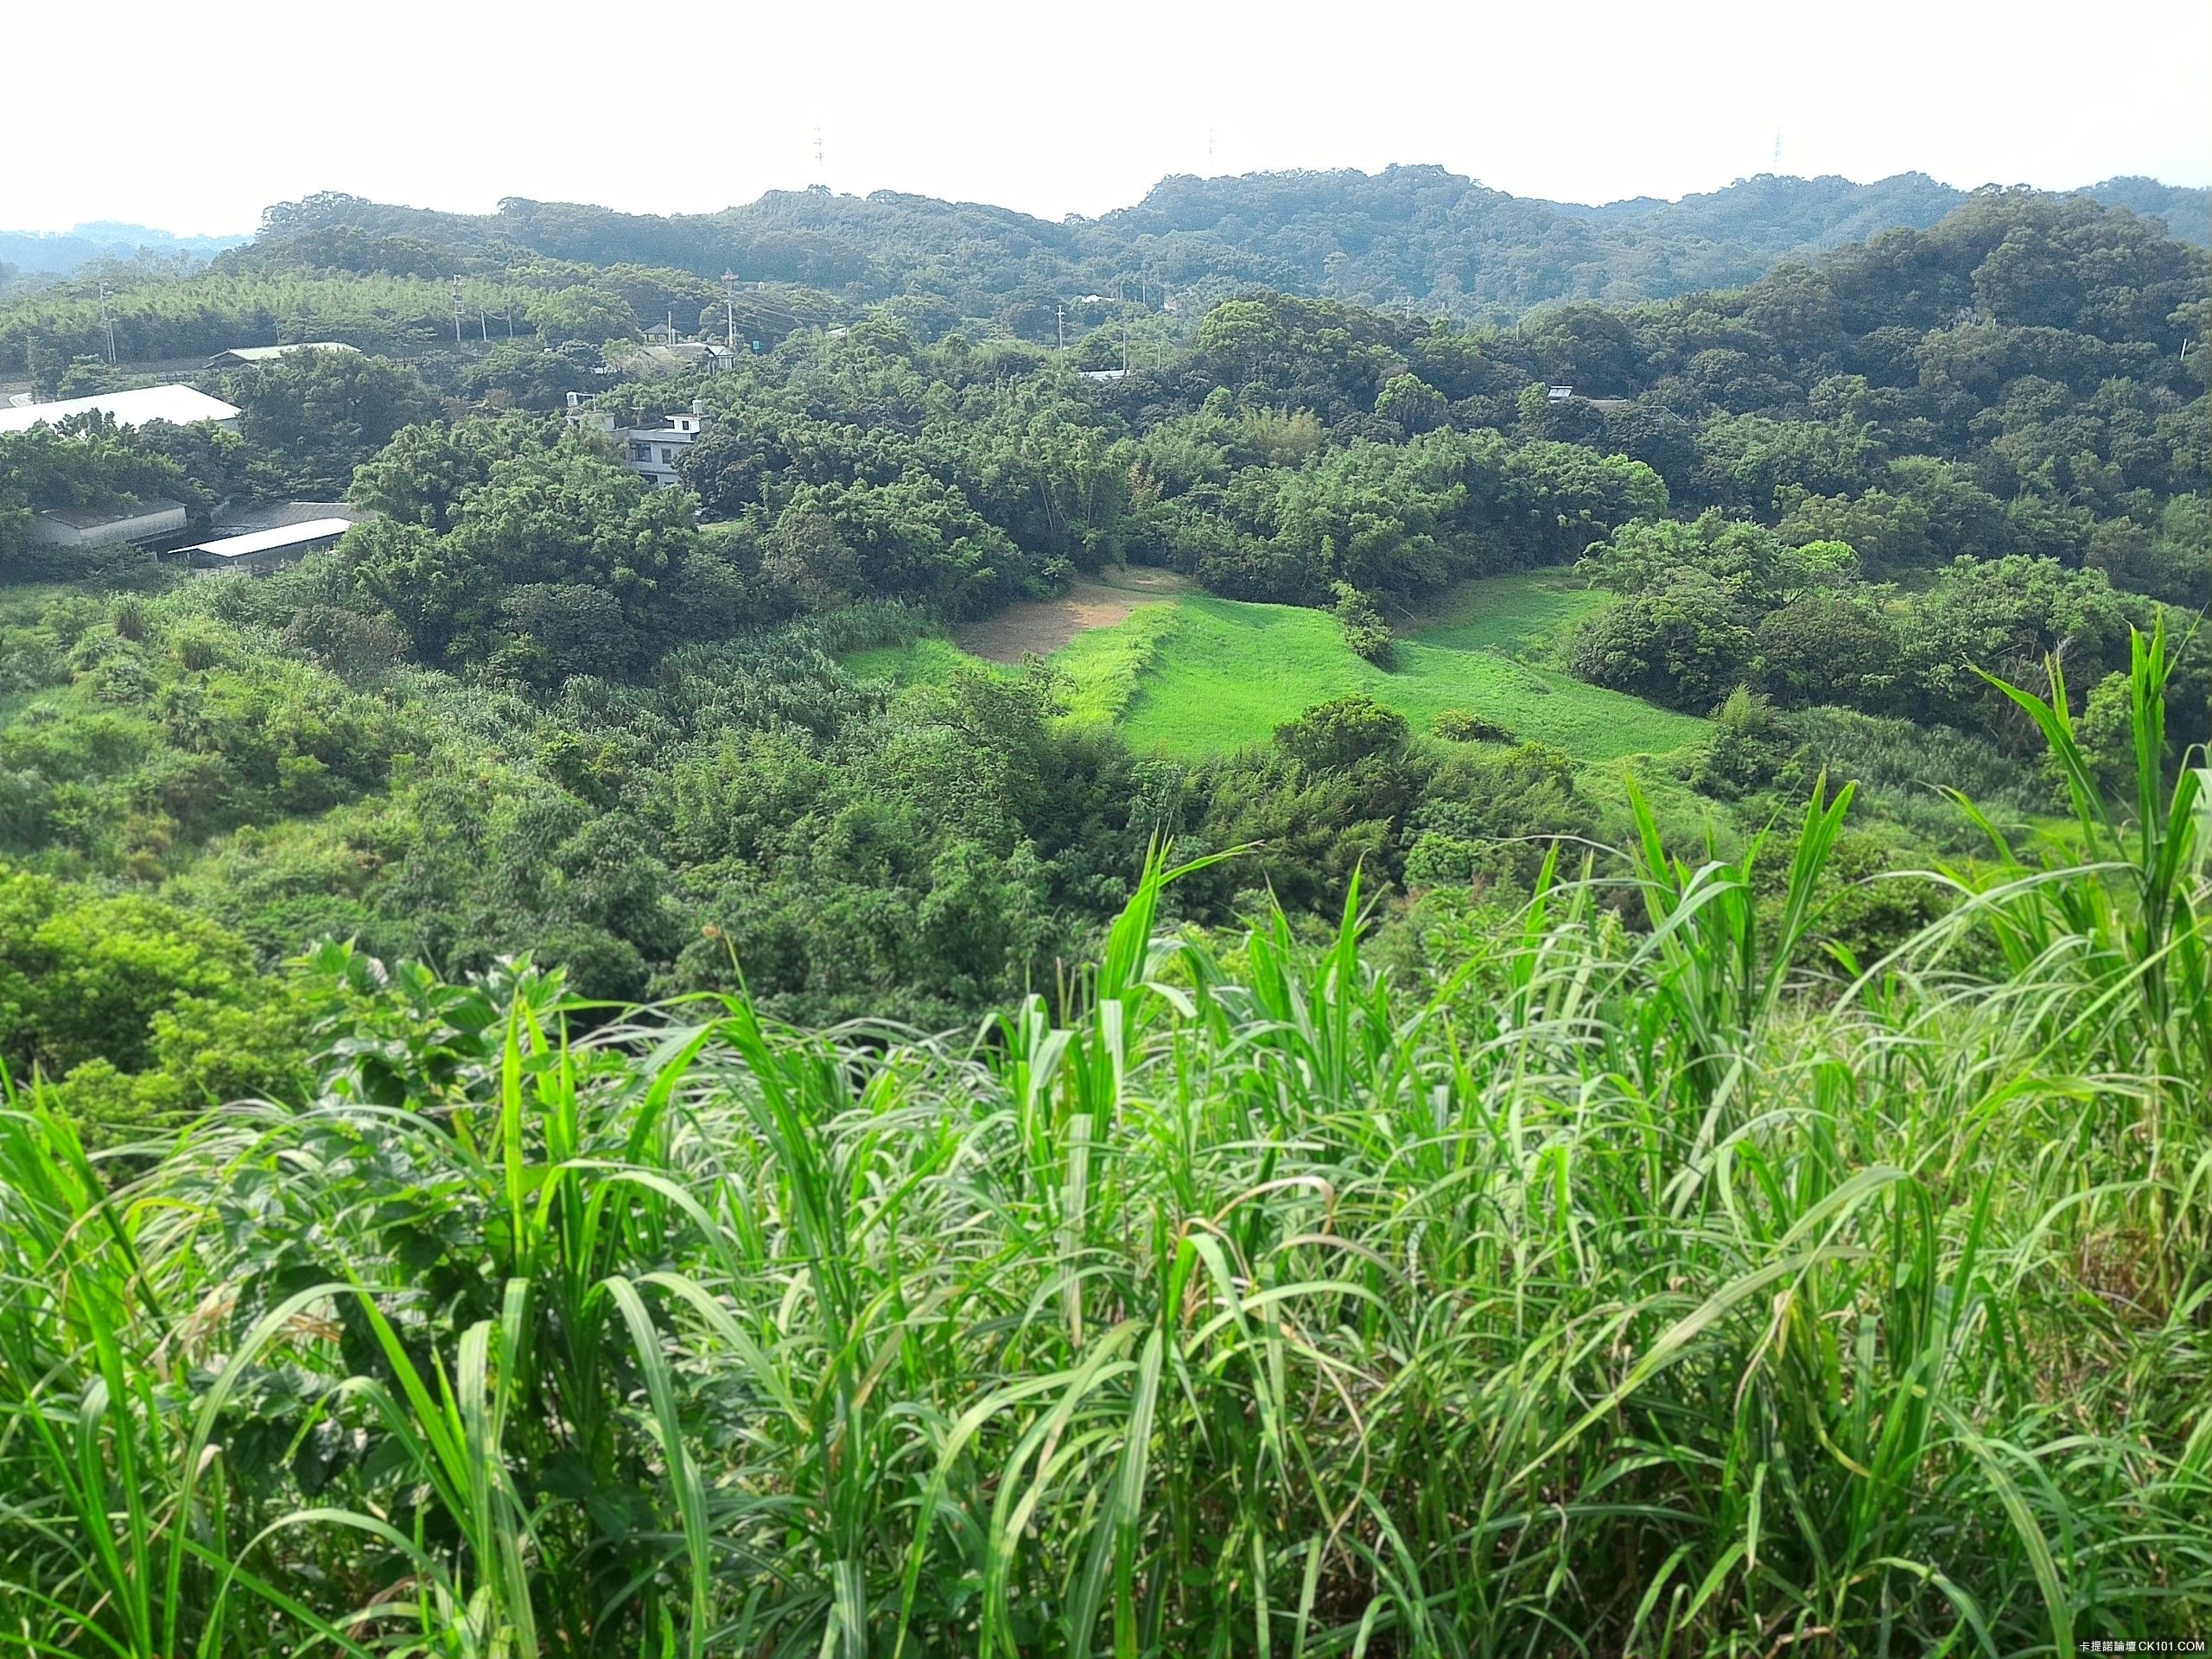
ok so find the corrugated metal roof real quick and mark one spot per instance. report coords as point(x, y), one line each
point(275, 515)
point(261, 353)
point(179, 403)
point(270, 541)
point(91, 518)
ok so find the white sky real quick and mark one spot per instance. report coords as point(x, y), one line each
point(191, 115)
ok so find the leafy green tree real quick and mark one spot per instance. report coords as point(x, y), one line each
point(1337, 735)
point(584, 312)
point(1364, 630)
point(1327, 797)
point(563, 517)
point(518, 376)
point(2004, 617)
point(138, 1008)
point(1412, 402)
point(85, 376)
point(1885, 529)
point(730, 469)
point(422, 475)
point(308, 418)
point(1489, 816)
point(1749, 746)
point(1240, 338)
point(1684, 642)
point(1825, 647)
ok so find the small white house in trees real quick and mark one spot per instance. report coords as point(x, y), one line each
point(652, 451)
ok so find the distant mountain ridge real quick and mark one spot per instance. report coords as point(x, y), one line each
point(1425, 234)
point(57, 253)
point(1417, 235)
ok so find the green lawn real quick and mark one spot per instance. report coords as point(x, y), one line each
point(1200, 676)
point(1524, 615)
point(1232, 672)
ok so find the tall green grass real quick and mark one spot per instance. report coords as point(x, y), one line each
point(1620, 1289)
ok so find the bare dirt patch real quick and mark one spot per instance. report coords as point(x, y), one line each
point(1043, 626)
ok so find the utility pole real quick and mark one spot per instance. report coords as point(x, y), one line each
point(730, 309)
point(1061, 313)
point(456, 311)
point(1125, 346)
point(484, 322)
point(108, 323)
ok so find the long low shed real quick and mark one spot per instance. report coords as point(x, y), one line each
point(91, 527)
point(183, 405)
point(261, 550)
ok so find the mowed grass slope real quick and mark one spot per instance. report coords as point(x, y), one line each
point(1231, 673)
point(1200, 676)
point(1526, 614)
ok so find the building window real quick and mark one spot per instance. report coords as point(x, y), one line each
point(641, 452)
point(667, 456)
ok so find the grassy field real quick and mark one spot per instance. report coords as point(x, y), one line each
point(1200, 676)
point(1524, 615)
point(918, 662)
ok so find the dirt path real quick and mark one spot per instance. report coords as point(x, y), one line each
point(1043, 626)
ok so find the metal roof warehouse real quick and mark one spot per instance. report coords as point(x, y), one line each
point(262, 550)
point(179, 404)
point(239, 356)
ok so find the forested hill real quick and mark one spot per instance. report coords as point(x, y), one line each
point(1447, 242)
point(1408, 233)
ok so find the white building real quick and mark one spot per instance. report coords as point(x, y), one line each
point(178, 404)
point(258, 552)
point(654, 451)
point(239, 356)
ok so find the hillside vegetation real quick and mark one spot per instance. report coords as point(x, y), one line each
point(336, 266)
point(1434, 617)
point(1569, 1017)
point(1587, 1288)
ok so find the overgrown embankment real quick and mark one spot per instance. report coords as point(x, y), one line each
point(1606, 1288)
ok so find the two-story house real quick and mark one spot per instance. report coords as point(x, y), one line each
point(652, 451)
